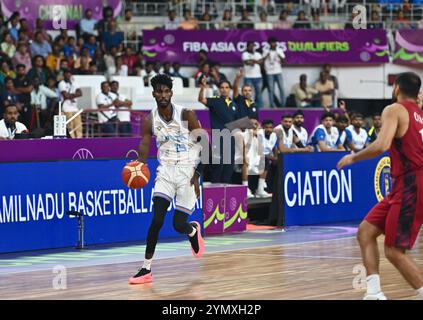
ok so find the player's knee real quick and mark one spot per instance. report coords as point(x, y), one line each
point(393, 254)
point(180, 222)
point(364, 235)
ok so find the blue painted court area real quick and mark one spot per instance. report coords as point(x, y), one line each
point(132, 252)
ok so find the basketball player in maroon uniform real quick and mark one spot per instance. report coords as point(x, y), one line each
point(400, 215)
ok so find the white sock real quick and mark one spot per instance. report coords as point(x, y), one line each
point(373, 284)
point(245, 183)
point(420, 293)
point(194, 230)
point(261, 183)
point(147, 264)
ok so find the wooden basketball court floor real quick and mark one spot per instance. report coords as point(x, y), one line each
point(302, 263)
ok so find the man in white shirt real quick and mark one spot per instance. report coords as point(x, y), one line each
point(124, 107)
point(357, 138)
point(288, 141)
point(9, 125)
point(252, 61)
point(273, 59)
point(87, 24)
point(70, 91)
point(298, 128)
point(172, 22)
point(107, 116)
point(39, 95)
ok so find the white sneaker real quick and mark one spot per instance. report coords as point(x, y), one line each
point(283, 230)
point(262, 194)
point(249, 194)
point(377, 296)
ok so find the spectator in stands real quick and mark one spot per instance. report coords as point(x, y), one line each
point(107, 116)
point(217, 76)
point(341, 123)
point(53, 59)
point(103, 24)
point(70, 91)
point(263, 24)
point(92, 69)
point(87, 24)
point(111, 38)
point(109, 58)
point(302, 22)
point(375, 129)
point(40, 46)
point(23, 88)
point(273, 58)
point(59, 74)
point(25, 29)
point(9, 96)
point(357, 137)
point(203, 57)
point(315, 22)
point(204, 72)
point(325, 137)
point(227, 23)
point(328, 68)
point(120, 69)
point(6, 71)
point(326, 88)
point(402, 22)
point(7, 47)
point(288, 141)
point(297, 126)
point(252, 61)
point(138, 68)
point(52, 85)
point(349, 24)
point(244, 100)
point(90, 45)
point(283, 22)
point(304, 93)
point(167, 68)
point(22, 56)
point(129, 59)
point(39, 102)
point(245, 22)
point(189, 23)
point(177, 73)
point(149, 73)
point(222, 110)
point(99, 60)
point(82, 63)
point(268, 140)
point(375, 21)
point(13, 25)
point(206, 22)
point(129, 29)
point(157, 66)
point(124, 106)
point(9, 125)
point(172, 22)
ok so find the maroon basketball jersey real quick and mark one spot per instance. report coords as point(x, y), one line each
point(407, 152)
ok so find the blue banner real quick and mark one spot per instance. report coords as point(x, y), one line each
point(316, 192)
point(35, 196)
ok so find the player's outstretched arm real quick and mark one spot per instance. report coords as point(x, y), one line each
point(146, 140)
point(387, 133)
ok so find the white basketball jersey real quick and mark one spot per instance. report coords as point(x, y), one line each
point(301, 134)
point(358, 139)
point(173, 139)
point(288, 138)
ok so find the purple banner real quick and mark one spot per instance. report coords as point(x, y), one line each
point(73, 10)
point(214, 208)
point(409, 47)
point(235, 208)
point(300, 46)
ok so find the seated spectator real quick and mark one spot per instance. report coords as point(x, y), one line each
point(53, 59)
point(128, 28)
point(138, 68)
point(402, 22)
point(70, 91)
point(119, 69)
point(107, 117)
point(39, 70)
point(167, 68)
point(91, 45)
point(71, 51)
point(149, 73)
point(325, 137)
point(59, 74)
point(103, 24)
point(326, 89)
point(357, 137)
point(245, 22)
point(263, 24)
point(304, 93)
point(39, 97)
point(302, 22)
point(7, 47)
point(315, 22)
point(6, 71)
point(99, 60)
point(349, 24)
point(204, 72)
point(91, 71)
point(283, 22)
point(109, 57)
point(83, 61)
point(172, 22)
point(189, 23)
point(129, 59)
point(13, 25)
point(157, 66)
point(205, 22)
point(177, 73)
point(111, 38)
point(22, 56)
point(9, 125)
point(25, 29)
point(40, 46)
point(87, 24)
point(375, 21)
point(217, 76)
point(123, 106)
point(227, 23)
point(9, 96)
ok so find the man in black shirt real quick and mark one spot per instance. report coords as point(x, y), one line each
point(222, 111)
point(246, 105)
point(23, 88)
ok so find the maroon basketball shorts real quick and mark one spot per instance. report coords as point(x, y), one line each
point(400, 214)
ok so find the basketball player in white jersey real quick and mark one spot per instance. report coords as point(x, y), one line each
point(357, 137)
point(298, 128)
point(177, 174)
point(288, 141)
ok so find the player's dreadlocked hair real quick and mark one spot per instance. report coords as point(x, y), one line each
point(161, 79)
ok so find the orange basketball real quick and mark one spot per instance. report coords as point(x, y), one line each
point(135, 175)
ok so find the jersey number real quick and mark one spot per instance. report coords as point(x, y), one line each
point(180, 147)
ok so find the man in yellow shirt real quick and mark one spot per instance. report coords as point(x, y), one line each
point(326, 88)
